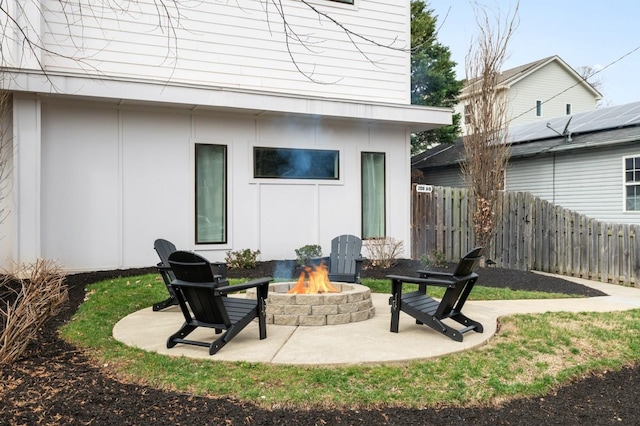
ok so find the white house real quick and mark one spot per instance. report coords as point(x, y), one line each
point(588, 162)
point(205, 124)
point(537, 91)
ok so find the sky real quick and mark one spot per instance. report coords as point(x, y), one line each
point(601, 34)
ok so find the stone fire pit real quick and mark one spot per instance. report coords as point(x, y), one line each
point(352, 304)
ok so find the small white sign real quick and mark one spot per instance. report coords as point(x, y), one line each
point(424, 188)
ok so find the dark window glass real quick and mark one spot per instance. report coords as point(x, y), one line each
point(287, 163)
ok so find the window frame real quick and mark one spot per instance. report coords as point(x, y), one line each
point(539, 111)
point(362, 194)
point(256, 176)
point(225, 190)
point(634, 183)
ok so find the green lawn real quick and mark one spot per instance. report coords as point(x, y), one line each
point(529, 356)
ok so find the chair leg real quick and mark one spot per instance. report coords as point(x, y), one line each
point(165, 304)
point(184, 331)
point(468, 323)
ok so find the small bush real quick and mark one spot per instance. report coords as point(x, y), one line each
point(245, 259)
point(306, 253)
point(29, 298)
point(437, 258)
point(384, 251)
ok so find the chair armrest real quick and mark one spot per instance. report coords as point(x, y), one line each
point(244, 286)
point(415, 280)
point(162, 267)
point(427, 273)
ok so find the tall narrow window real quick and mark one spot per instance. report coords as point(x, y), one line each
point(568, 108)
point(632, 183)
point(538, 108)
point(373, 195)
point(211, 194)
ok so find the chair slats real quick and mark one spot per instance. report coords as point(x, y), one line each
point(431, 312)
point(197, 285)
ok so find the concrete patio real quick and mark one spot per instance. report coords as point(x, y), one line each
point(361, 342)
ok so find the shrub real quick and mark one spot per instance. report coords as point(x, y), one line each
point(437, 258)
point(384, 251)
point(29, 298)
point(305, 253)
point(245, 259)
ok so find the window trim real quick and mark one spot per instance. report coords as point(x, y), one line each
point(625, 184)
point(384, 196)
point(539, 111)
point(226, 244)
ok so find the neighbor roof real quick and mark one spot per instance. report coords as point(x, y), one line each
point(600, 127)
point(511, 76)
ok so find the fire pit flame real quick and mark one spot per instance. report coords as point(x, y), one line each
point(314, 280)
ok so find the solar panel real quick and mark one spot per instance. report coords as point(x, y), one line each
point(599, 119)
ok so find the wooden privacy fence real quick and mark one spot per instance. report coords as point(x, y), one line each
point(532, 234)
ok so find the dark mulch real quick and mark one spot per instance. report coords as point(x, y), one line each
point(58, 384)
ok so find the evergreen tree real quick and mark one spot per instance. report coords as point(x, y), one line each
point(433, 80)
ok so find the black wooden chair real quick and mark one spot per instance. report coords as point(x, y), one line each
point(164, 248)
point(345, 260)
point(426, 310)
point(197, 286)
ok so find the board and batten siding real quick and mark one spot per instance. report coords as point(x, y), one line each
point(589, 182)
point(239, 45)
point(555, 87)
point(115, 178)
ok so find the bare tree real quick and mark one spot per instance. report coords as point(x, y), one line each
point(486, 145)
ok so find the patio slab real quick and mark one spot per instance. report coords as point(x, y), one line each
point(364, 342)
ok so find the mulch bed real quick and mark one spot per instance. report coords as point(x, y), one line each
point(58, 384)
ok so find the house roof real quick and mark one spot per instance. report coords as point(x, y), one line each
point(509, 77)
point(592, 129)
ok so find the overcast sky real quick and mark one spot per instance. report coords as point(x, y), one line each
point(583, 33)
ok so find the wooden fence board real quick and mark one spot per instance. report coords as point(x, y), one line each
point(532, 234)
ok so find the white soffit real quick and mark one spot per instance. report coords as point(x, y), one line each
point(415, 117)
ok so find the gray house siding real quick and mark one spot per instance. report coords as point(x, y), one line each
point(450, 177)
point(587, 181)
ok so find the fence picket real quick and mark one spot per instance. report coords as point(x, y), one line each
point(532, 234)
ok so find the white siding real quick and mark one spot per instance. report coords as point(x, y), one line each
point(116, 178)
point(555, 87)
point(589, 182)
point(238, 44)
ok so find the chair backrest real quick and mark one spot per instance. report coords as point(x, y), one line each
point(455, 296)
point(345, 249)
point(206, 306)
point(191, 267)
point(468, 263)
point(164, 248)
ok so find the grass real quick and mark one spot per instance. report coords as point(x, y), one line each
point(529, 356)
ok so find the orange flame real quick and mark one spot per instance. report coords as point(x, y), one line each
point(314, 281)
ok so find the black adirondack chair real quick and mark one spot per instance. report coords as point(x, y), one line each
point(431, 312)
point(197, 286)
point(164, 248)
point(345, 260)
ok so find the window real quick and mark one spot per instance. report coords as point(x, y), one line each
point(632, 183)
point(538, 108)
point(467, 113)
point(373, 195)
point(568, 109)
point(287, 163)
point(211, 194)
point(344, 1)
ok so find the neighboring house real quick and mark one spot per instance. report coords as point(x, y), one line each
point(206, 126)
point(588, 162)
point(537, 91)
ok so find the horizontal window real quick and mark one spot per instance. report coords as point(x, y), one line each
point(344, 1)
point(288, 163)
